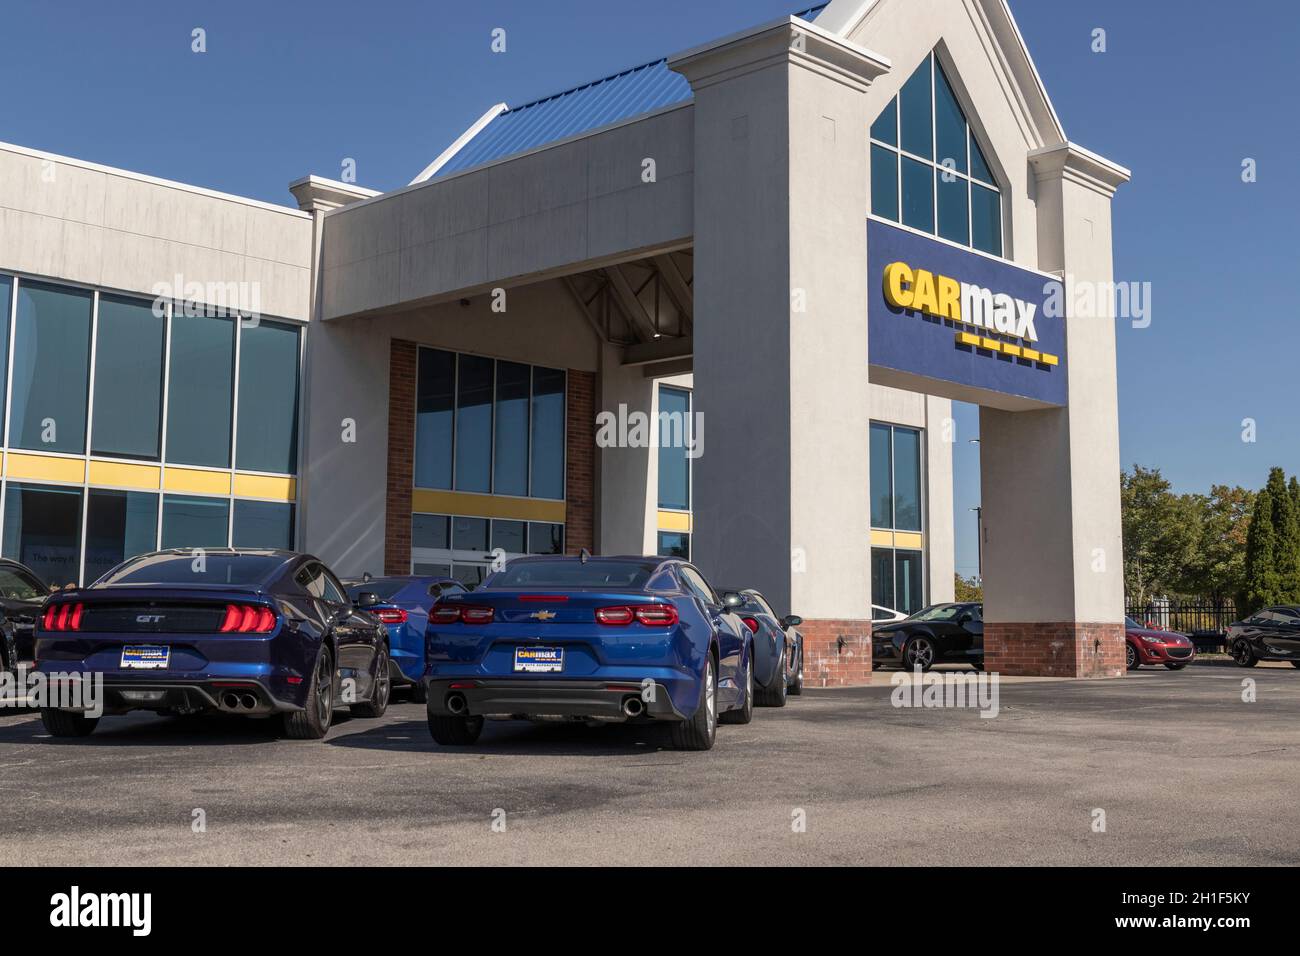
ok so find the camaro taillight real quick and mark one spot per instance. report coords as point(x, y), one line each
point(460, 613)
point(391, 615)
point(63, 617)
point(751, 623)
point(248, 619)
point(651, 615)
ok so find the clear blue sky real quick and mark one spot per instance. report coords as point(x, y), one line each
point(1185, 92)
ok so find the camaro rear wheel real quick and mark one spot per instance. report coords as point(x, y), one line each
point(744, 713)
point(699, 732)
point(1131, 659)
point(313, 721)
point(919, 652)
point(775, 695)
point(454, 731)
point(66, 723)
point(378, 702)
point(1243, 655)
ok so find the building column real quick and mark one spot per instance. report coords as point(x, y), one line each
point(781, 497)
point(1053, 559)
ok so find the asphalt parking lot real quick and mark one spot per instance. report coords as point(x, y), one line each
point(1185, 771)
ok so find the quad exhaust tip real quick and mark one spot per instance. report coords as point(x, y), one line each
point(232, 701)
point(633, 707)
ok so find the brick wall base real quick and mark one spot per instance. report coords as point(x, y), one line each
point(1068, 649)
point(836, 653)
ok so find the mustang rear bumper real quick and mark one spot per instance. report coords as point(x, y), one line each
point(248, 698)
point(533, 697)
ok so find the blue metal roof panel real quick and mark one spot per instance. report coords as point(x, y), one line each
point(635, 92)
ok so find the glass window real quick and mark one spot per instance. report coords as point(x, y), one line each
point(548, 433)
point(216, 569)
point(885, 128)
point(882, 491)
point(267, 437)
point(882, 577)
point(470, 575)
point(119, 525)
point(884, 183)
point(567, 572)
point(430, 531)
point(42, 529)
point(914, 109)
point(674, 466)
point(545, 538)
point(909, 581)
point(469, 534)
point(674, 544)
point(979, 166)
point(986, 220)
point(432, 570)
point(200, 390)
point(954, 218)
point(949, 125)
point(129, 343)
point(907, 479)
point(510, 443)
point(435, 407)
point(918, 195)
point(51, 370)
point(474, 424)
point(190, 522)
point(6, 297)
point(509, 536)
point(263, 524)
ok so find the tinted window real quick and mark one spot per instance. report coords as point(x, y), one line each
point(119, 525)
point(430, 531)
point(695, 581)
point(510, 459)
point(571, 572)
point(509, 536)
point(51, 369)
point(675, 544)
point(882, 578)
point(195, 522)
point(548, 433)
point(42, 529)
point(949, 125)
point(986, 220)
point(882, 489)
point(915, 113)
point(474, 424)
point(382, 588)
point(267, 437)
point(435, 406)
point(674, 466)
point(918, 195)
point(954, 211)
point(263, 524)
point(909, 580)
point(884, 183)
point(545, 538)
point(240, 569)
point(885, 128)
point(469, 534)
point(907, 479)
point(979, 166)
point(16, 586)
point(200, 389)
point(128, 379)
point(6, 297)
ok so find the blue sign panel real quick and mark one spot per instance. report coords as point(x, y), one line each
point(946, 313)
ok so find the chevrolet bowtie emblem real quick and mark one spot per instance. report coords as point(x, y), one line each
point(542, 615)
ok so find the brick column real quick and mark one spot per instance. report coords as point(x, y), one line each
point(401, 457)
point(580, 462)
point(836, 653)
point(1064, 649)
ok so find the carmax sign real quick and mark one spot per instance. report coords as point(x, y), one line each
point(951, 315)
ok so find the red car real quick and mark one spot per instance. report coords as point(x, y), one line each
point(1147, 645)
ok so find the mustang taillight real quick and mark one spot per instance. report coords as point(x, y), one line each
point(63, 617)
point(751, 623)
point(461, 614)
point(391, 615)
point(248, 619)
point(651, 615)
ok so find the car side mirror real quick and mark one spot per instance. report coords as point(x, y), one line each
point(791, 620)
point(367, 599)
point(732, 600)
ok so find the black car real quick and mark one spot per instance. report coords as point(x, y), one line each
point(778, 647)
point(938, 634)
point(1272, 634)
point(247, 632)
point(21, 595)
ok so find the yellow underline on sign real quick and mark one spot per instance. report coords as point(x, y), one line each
point(1049, 359)
point(993, 345)
point(966, 338)
point(1007, 348)
point(1032, 354)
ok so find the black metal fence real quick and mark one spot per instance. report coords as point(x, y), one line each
point(1205, 623)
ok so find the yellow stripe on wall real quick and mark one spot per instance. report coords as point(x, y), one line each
point(45, 468)
point(675, 521)
point(427, 501)
point(909, 539)
point(121, 475)
point(274, 487)
point(197, 482)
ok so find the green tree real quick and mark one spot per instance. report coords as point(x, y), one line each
point(1161, 533)
point(1272, 573)
point(967, 589)
point(1218, 567)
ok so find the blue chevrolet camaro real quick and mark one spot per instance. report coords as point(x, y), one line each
point(635, 639)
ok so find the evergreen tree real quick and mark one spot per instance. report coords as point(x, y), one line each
point(1261, 556)
point(1286, 527)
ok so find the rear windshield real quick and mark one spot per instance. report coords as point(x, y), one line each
point(237, 569)
point(571, 573)
point(382, 588)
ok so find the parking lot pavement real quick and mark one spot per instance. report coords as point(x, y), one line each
point(1185, 771)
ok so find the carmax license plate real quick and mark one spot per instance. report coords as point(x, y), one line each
point(146, 658)
point(539, 660)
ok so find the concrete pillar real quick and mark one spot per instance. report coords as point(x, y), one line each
point(780, 343)
point(1053, 564)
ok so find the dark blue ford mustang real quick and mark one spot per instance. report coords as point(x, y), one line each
point(253, 633)
point(588, 638)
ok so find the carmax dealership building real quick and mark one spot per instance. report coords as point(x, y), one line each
point(807, 238)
